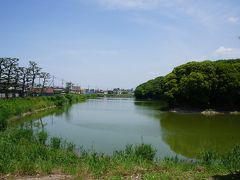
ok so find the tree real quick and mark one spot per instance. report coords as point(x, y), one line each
point(69, 86)
point(19, 80)
point(34, 71)
point(23, 80)
point(2, 68)
point(8, 74)
point(45, 78)
point(16, 78)
point(207, 84)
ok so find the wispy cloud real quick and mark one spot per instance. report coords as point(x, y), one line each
point(220, 53)
point(206, 13)
point(123, 4)
point(136, 4)
point(233, 19)
point(226, 52)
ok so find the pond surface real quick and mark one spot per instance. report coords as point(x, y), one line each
point(108, 124)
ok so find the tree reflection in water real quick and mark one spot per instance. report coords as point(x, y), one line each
point(189, 134)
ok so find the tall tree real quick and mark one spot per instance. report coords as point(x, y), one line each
point(16, 82)
point(69, 86)
point(34, 71)
point(24, 76)
point(45, 78)
point(2, 68)
point(10, 65)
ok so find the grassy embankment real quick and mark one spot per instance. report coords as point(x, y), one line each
point(19, 107)
point(24, 152)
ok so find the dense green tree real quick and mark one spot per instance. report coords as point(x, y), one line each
point(34, 71)
point(207, 84)
point(19, 80)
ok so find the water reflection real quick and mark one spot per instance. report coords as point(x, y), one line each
point(190, 134)
point(110, 124)
point(36, 122)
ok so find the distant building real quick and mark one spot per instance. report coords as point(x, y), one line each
point(37, 91)
point(59, 90)
point(92, 91)
point(83, 91)
point(75, 90)
point(105, 92)
point(110, 92)
point(99, 91)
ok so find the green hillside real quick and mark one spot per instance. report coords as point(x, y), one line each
point(207, 84)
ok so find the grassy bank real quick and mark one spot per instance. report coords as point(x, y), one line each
point(24, 152)
point(10, 108)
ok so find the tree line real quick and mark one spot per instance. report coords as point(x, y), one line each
point(207, 84)
point(15, 79)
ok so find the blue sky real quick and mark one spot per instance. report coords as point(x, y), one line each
point(117, 43)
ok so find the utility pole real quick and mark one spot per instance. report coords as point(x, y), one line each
point(39, 79)
point(62, 82)
point(53, 80)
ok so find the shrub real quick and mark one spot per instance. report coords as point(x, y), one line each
point(60, 100)
point(55, 142)
point(3, 124)
point(232, 160)
point(70, 147)
point(145, 151)
point(42, 137)
point(208, 157)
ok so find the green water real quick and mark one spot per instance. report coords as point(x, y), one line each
point(108, 124)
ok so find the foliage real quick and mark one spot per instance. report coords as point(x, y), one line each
point(23, 152)
point(55, 143)
point(144, 151)
point(18, 106)
point(42, 137)
point(3, 124)
point(232, 160)
point(209, 157)
point(208, 84)
point(20, 80)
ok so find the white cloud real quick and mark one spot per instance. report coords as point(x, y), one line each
point(206, 13)
point(135, 4)
point(223, 52)
point(233, 19)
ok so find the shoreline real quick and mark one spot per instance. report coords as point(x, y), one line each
point(190, 110)
point(29, 113)
point(39, 156)
point(18, 108)
point(207, 112)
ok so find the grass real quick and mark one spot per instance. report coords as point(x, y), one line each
point(24, 152)
point(16, 107)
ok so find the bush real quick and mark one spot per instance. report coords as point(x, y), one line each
point(137, 152)
point(232, 160)
point(55, 142)
point(145, 151)
point(42, 137)
point(3, 124)
point(208, 157)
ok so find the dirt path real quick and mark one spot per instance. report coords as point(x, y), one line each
point(48, 177)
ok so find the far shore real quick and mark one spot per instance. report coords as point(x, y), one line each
point(207, 112)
